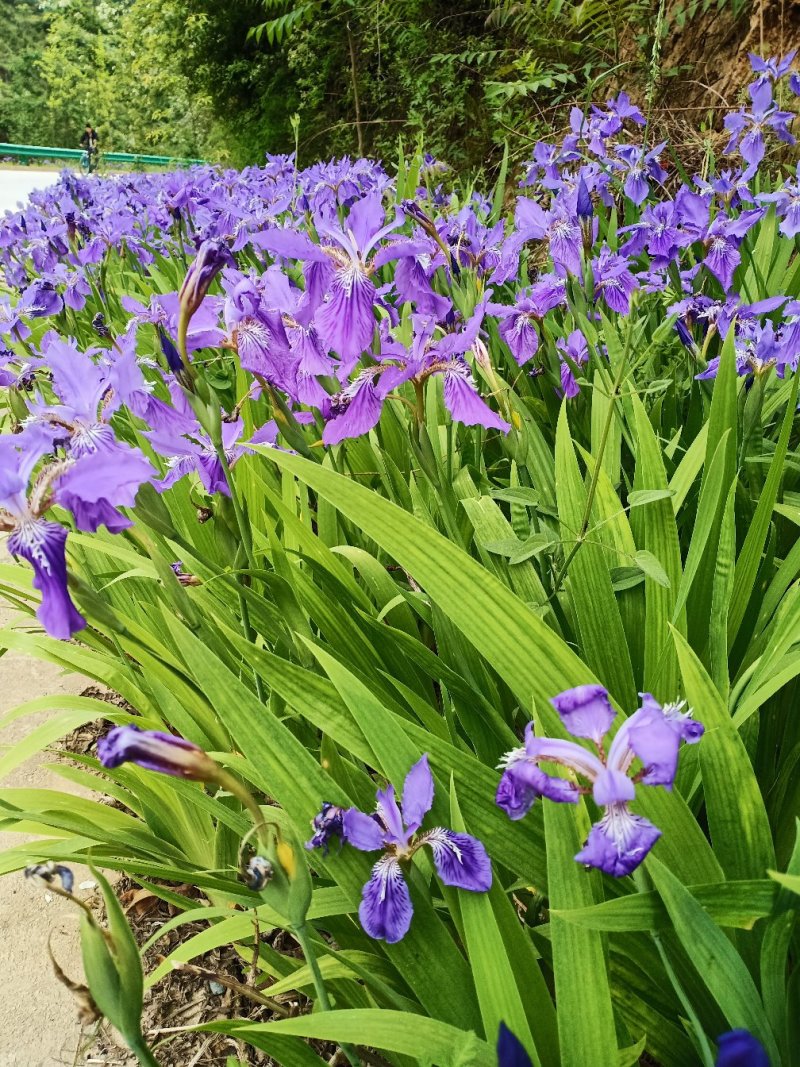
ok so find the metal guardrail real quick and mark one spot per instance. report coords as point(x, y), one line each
point(28, 152)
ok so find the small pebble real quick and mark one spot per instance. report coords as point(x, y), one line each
point(217, 988)
point(88, 884)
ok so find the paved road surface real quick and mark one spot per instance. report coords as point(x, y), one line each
point(15, 185)
point(38, 1026)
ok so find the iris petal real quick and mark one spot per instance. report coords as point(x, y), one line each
point(385, 911)
point(460, 859)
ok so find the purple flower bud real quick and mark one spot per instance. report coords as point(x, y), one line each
point(156, 751)
point(171, 353)
point(211, 257)
point(685, 335)
point(738, 1048)
point(584, 202)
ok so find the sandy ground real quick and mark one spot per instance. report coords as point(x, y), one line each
point(38, 1025)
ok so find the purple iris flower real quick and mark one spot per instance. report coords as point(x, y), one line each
point(40, 300)
point(658, 230)
point(357, 409)
point(559, 226)
point(545, 167)
point(734, 311)
point(34, 538)
point(96, 485)
point(517, 324)
point(620, 110)
point(17, 373)
point(787, 204)
point(601, 124)
point(738, 1048)
point(620, 840)
point(258, 335)
point(346, 320)
point(412, 280)
point(76, 286)
point(191, 451)
point(11, 321)
point(163, 311)
point(729, 186)
point(772, 69)
point(393, 829)
point(155, 751)
point(640, 166)
point(747, 127)
point(613, 280)
point(587, 128)
point(722, 241)
point(758, 349)
point(89, 393)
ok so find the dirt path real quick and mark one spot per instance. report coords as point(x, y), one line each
point(38, 1024)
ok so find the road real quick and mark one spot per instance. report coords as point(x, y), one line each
point(16, 185)
point(38, 1025)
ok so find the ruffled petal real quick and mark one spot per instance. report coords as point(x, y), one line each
point(523, 782)
point(362, 831)
point(619, 842)
point(464, 402)
point(585, 711)
point(385, 911)
point(519, 333)
point(358, 410)
point(42, 544)
point(346, 321)
point(417, 794)
point(460, 859)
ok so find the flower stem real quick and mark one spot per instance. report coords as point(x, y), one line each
point(247, 545)
point(601, 448)
point(301, 934)
point(235, 788)
point(143, 1054)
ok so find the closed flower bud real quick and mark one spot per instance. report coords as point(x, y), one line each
point(156, 751)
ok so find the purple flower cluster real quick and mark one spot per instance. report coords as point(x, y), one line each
point(620, 840)
point(327, 300)
point(617, 844)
